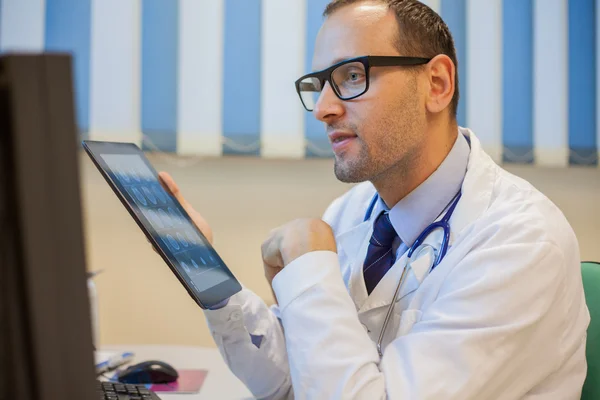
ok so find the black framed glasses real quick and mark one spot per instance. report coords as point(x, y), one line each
point(349, 78)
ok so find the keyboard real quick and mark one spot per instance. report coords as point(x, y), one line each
point(120, 391)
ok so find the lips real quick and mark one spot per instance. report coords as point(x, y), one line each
point(337, 137)
point(341, 140)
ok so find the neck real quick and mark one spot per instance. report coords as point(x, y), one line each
point(402, 178)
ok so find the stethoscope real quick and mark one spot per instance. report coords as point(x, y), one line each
point(417, 245)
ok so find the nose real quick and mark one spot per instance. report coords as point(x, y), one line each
point(328, 105)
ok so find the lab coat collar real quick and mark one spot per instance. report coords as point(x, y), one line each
point(477, 186)
point(352, 246)
point(477, 190)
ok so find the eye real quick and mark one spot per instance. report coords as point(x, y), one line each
point(355, 76)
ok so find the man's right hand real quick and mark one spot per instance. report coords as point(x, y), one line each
point(170, 186)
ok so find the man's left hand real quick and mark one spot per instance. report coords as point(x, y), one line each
point(293, 240)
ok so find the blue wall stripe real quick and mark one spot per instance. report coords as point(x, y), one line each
point(160, 21)
point(517, 79)
point(454, 13)
point(582, 82)
point(67, 28)
point(242, 75)
point(314, 130)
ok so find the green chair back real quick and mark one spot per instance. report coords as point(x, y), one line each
point(591, 284)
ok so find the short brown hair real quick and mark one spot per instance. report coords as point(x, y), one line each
point(423, 33)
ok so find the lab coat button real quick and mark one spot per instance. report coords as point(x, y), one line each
point(366, 328)
point(235, 316)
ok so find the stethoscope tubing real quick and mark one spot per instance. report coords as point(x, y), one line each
point(441, 224)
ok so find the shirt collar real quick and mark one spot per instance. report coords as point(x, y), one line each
point(411, 215)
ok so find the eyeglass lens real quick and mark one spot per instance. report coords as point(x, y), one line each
point(349, 80)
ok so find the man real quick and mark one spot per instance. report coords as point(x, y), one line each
point(502, 314)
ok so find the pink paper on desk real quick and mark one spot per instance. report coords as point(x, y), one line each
point(189, 381)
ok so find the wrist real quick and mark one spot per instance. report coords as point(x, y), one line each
point(219, 305)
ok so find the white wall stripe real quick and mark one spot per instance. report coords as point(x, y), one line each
point(22, 27)
point(433, 4)
point(484, 80)
point(200, 86)
point(550, 79)
point(283, 48)
point(115, 71)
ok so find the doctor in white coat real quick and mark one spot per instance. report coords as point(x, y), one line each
point(495, 310)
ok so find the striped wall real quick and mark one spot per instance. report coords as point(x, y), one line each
point(213, 77)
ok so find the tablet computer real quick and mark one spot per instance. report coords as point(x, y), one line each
point(164, 222)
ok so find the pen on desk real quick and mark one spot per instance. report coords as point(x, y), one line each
point(118, 360)
point(114, 362)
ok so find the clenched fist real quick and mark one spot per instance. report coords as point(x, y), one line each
point(292, 240)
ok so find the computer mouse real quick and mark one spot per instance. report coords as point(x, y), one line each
point(151, 371)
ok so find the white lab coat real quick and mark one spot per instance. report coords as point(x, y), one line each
point(503, 316)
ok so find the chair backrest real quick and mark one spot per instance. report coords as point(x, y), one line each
point(591, 284)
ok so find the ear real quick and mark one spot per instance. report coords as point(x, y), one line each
point(441, 72)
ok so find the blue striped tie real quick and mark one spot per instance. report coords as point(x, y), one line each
point(380, 255)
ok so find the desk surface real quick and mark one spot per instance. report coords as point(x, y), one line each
point(220, 382)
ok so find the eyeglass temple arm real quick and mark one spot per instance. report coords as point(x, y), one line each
point(392, 61)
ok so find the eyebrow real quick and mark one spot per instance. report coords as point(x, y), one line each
point(335, 61)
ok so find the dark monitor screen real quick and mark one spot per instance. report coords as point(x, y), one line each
point(46, 350)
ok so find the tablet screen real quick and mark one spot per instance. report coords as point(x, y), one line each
point(187, 250)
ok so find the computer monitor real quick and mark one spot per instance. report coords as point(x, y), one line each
point(46, 350)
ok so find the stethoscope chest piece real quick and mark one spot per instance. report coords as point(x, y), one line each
point(422, 260)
